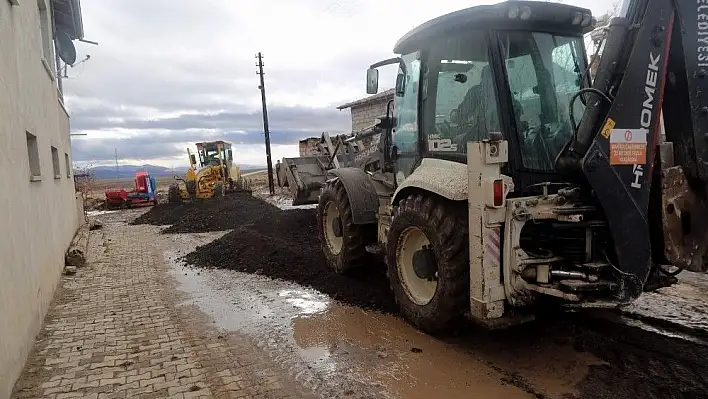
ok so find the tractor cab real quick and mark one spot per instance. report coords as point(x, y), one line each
point(215, 157)
point(505, 71)
point(214, 153)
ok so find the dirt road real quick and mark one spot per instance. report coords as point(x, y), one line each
point(265, 280)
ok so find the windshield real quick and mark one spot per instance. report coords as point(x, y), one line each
point(544, 71)
point(211, 157)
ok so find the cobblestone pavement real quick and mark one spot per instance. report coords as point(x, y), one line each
point(114, 331)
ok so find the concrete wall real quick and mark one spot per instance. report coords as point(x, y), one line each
point(38, 218)
point(365, 115)
point(307, 146)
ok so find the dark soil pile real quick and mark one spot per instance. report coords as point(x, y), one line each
point(230, 212)
point(272, 242)
point(632, 362)
point(641, 364)
point(284, 245)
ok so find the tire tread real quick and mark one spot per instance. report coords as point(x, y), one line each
point(356, 237)
point(445, 224)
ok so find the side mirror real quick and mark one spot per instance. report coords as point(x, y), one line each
point(230, 155)
point(372, 81)
point(192, 159)
point(400, 85)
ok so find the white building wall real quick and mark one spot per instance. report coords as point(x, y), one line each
point(365, 115)
point(37, 218)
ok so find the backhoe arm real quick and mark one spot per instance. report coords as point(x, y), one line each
point(655, 58)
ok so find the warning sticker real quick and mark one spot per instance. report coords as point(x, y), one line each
point(607, 129)
point(628, 146)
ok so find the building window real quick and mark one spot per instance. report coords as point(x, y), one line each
point(68, 165)
point(46, 32)
point(33, 155)
point(55, 163)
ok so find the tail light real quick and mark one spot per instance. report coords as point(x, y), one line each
point(498, 192)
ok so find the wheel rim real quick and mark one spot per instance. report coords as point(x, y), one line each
point(418, 290)
point(330, 214)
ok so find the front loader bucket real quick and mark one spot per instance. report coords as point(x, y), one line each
point(303, 177)
point(684, 215)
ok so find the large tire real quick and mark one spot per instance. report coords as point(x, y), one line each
point(173, 195)
point(191, 186)
point(347, 252)
point(218, 190)
point(429, 304)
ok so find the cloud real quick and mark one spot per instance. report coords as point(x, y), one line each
point(281, 118)
point(167, 73)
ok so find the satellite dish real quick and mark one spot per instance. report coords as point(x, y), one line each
point(65, 48)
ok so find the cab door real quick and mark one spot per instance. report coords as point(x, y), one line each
point(406, 132)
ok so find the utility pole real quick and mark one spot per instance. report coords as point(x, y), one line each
point(259, 56)
point(117, 172)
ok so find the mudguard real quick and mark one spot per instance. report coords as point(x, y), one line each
point(361, 193)
point(445, 178)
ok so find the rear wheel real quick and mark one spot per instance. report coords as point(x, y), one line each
point(428, 261)
point(173, 195)
point(343, 242)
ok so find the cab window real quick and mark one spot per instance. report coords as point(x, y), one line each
point(405, 135)
point(463, 106)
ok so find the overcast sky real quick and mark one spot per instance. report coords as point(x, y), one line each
point(168, 73)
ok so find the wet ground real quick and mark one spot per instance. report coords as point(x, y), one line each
point(332, 346)
point(345, 348)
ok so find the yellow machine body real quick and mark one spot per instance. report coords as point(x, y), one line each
point(211, 173)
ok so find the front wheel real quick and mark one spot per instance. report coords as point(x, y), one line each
point(218, 190)
point(428, 262)
point(343, 242)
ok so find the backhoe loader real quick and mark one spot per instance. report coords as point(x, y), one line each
point(503, 176)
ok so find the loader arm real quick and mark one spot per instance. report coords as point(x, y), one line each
point(653, 60)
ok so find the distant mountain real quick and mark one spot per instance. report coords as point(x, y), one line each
point(128, 171)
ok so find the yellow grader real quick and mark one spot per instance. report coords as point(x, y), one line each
point(212, 175)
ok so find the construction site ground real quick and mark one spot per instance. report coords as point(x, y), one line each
point(232, 298)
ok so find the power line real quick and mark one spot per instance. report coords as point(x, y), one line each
point(271, 187)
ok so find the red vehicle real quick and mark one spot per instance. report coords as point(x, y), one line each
point(144, 193)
